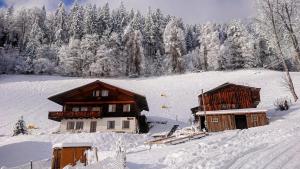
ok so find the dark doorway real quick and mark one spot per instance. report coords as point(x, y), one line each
point(202, 122)
point(241, 121)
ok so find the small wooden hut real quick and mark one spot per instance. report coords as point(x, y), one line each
point(69, 154)
point(230, 106)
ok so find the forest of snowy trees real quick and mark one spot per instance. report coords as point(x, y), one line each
point(98, 41)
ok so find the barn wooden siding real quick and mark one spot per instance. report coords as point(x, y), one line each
point(68, 156)
point(227, 121)
point(230, 96)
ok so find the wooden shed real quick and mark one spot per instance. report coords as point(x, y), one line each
point(221, 120)
point(69, 154)
point(230, 106)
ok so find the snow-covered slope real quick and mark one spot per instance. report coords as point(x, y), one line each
point(276, 143)
point(27, 95)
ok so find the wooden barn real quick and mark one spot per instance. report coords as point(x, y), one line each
point(99, 106)
point(229, 106)
point(69, 154)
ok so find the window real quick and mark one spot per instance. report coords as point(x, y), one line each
point(70, 125)
point(96, 93)
point(215, 120)
point(110, 124)
point(126, 108)
point(79, 125)
point(93, 126)
point(76, 109)
point(126, 124)
point(84, 109)
point(112, 108)
point(96, 109)
point(104, 93)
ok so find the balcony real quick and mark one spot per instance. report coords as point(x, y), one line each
point(59, 115)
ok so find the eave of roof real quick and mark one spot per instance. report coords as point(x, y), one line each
point(233, 111)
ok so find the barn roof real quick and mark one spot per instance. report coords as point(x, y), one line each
point(226, 85)
point(233, 111)
point(64, 145)
point(140, 99)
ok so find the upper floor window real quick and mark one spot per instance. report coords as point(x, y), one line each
point(83, 109)
point(104, 93)
point(76, 109)
point(96, 108)
point(126, 108)
point(96, 93)
point(112, 107)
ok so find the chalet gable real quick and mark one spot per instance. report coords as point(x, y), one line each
point(228, 85)
point(99, 91)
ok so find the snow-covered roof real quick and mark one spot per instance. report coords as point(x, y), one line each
point(233, 111)
point(62, 145)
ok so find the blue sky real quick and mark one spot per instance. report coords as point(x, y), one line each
point(192, 11)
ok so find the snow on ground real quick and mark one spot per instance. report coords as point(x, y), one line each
point(274, 146)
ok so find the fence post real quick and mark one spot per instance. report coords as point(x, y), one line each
point(31, 165)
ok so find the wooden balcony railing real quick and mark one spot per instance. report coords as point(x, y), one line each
point(59, 115)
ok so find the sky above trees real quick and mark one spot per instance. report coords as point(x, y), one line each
point(192, 11)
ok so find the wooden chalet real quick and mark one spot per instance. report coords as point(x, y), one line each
point(230, 106)
point(99, 106)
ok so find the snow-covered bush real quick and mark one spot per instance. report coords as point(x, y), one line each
point(282, 104)
point(20, 127)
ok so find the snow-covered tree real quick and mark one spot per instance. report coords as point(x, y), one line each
point(20, 127)
point(90, 19)
point(135, 62)
point(70, 59)
point(174, 46)
point(76, 21)
point(210, 46)
point(60, 23)
point(88, 51)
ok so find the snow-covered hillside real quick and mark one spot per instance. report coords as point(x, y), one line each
point(277, 144)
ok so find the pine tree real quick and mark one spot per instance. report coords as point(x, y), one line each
point(76, 21)
point(20, 127)
point(90, 19)
point(60, 23)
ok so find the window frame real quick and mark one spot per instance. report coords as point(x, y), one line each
point(109, 126)
point(215, 119)
point(85, 107)
point(77, 109)
point(96, 93)
point(80, 126)
point(123, 124)
point(94, 108)
point(93, 122)
point(104, 93)
point(68, 127)
point(112, 108)
point(125, 106)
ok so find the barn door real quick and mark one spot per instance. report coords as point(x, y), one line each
point(241, 121)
